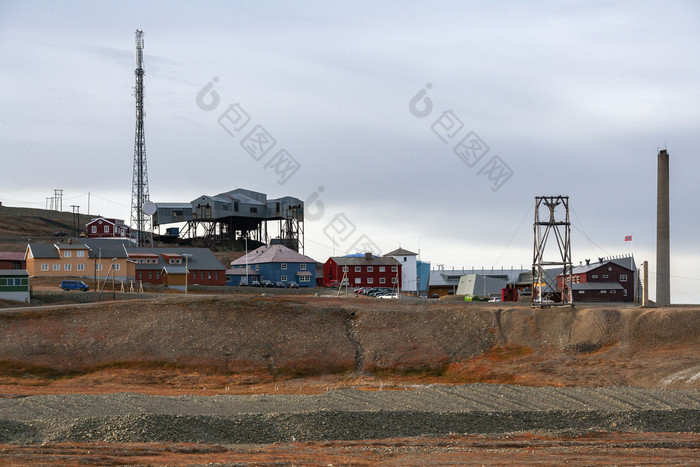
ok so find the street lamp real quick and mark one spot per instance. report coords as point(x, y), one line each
point(246, 262)
point(187, 271)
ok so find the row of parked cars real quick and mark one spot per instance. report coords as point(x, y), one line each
point(378, 292)
point(267, 283)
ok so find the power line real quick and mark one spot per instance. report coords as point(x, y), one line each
point(528, 211)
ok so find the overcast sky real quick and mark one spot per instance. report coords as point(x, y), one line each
point(430, 125)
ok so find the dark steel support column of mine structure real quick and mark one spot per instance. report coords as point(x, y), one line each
point(663, 252)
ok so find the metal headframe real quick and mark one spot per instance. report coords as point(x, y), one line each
point(555, 218)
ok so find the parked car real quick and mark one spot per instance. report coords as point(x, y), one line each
point(495, 299)
point(243, 283)
point(388, 295)
point(267, 283)
point(292, 285)
point(255, 283)
point(279, 284)
point(74, 285)
point(59, 233)
point(332, 284)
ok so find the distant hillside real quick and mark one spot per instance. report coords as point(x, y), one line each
point(18, 225)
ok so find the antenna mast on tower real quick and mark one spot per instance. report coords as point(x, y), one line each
point(140, 223)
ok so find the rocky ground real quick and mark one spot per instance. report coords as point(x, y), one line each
point(318, 380)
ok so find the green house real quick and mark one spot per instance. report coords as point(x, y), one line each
point(14, 285)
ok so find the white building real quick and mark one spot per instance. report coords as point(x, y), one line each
point(409, 268)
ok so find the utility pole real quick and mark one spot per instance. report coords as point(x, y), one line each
point(76, 212)
point(140, 223)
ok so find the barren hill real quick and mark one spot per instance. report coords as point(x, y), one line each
point(242, 340)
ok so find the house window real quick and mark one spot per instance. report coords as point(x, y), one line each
point(382, 280)
point(208, 274)
point(94, 229)
point(216, 275)
point(116, 266)
point(581, 292)
point(150, 275)
point(253, 210)
point(66, 267)
point(106, 229)
point(404, 259)
point(370, 269)
point(382, 268)
point(56, 267)
point(284, 266)
point(370, 280)
point(594, 276)
point(201, 275)
point(623, 277)
point(394, 269)
point(609, 268)
point(81, 254)
point(613, 291)
point(67, 254)
point(624, 292)
point(44, 267)
point(140, 275)
point(283, 278)
point(605, 276)
point(99, 267)
point(257, 267)
point(142, 261)
point(358, 268)
point(157, 275)
point(345, 269)
point(302, 267)
point(81, 267)
point(393, 280)
point(305, 279)
point(603, 291)
point(358, 280)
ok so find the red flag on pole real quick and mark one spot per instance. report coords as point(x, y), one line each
point(628, 238)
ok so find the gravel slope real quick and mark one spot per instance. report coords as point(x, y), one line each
point(344, 414)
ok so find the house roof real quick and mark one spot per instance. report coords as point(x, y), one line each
point(626, 262)
point(107, 247)
point(70, 245)
point(401, 252)
point(241, 272)
point(43, 250)
point(597, 286)
point(199, 258)
point(13, 272)
point(11, 256)
point(170, 269)
point(362, 261)
point(272, 254)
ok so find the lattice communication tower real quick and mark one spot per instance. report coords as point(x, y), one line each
point(140, 223)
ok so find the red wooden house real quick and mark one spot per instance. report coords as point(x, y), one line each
point(107, 227)
point(363, 271)
point(604, 281)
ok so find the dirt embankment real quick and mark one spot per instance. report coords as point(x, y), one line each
point(253, 339)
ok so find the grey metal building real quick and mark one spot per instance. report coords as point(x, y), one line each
point(236, 214)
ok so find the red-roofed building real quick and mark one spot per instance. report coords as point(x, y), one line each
point(12, 260)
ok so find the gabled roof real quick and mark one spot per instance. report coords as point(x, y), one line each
point(107, 247)
point(43, 250)
point(11, 256)
point(622, 262)
point(401, 252)
point(71, 245)
point(272, 254)
point(199, 259)
point(364, 261)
